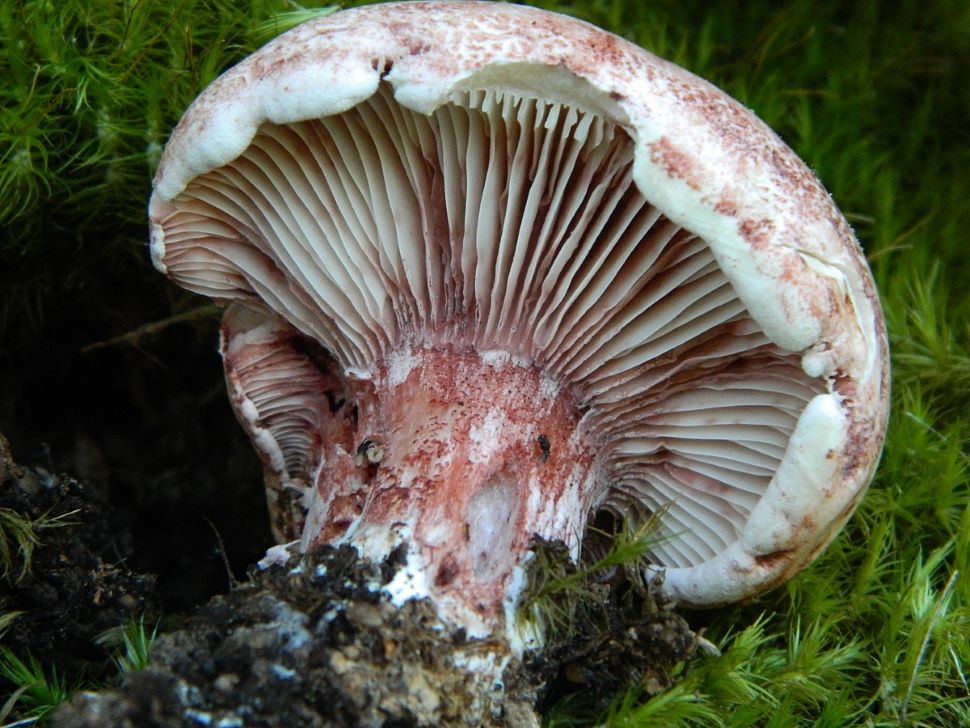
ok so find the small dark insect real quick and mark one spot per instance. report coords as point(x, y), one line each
point(544, 446)
point(370, 452)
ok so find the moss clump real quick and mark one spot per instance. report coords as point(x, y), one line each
point(605, 629)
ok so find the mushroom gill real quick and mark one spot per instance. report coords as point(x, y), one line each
point(507, 228)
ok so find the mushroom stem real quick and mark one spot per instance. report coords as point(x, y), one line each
point(461, 459)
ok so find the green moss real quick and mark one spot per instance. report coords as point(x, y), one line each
point(131, 644)
point(558, 592)
point(35, 693)
point(19, 536)
point(91, 90)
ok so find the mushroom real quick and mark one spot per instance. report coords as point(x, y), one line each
point(493, 271)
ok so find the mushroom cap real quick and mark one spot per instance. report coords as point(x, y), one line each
point(731, 357)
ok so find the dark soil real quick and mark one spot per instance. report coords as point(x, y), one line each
point(76, 585)
point(151, 429)
point(314, 642)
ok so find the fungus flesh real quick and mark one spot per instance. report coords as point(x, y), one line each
point(488, 279)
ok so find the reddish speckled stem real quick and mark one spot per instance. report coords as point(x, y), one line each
point(476, 456)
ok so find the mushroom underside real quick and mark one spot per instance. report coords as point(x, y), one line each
point(508, 226)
